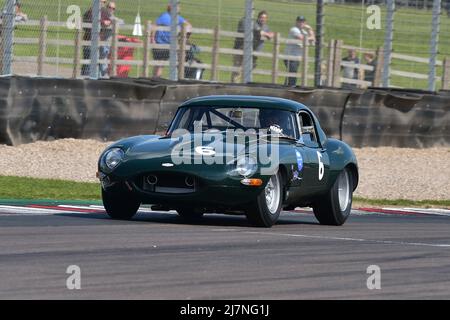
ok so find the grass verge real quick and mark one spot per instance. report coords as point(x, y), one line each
point(31, 188)
point(50, 189)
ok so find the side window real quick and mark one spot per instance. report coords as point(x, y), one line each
point(308, 130)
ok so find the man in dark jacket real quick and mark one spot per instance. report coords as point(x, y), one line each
point(105, 22)
point(261, 32)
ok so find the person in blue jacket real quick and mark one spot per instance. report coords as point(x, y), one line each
point(163, 37)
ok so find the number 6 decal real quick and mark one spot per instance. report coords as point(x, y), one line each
point(321, 166)
point(205, 151)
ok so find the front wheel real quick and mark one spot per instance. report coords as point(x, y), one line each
point(266, 209)
point(334, 208)
point(120, 205)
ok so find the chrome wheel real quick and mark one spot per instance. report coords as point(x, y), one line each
point(344, 190)
point(272, 193)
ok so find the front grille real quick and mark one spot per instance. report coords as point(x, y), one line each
point(163, 182)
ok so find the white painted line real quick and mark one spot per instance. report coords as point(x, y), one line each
point(434, 212)
point(367, 213)
point(438, 245)
point(75, 207)
point(7, 213)
point(22, 210)
point(9, 210)
point(439, 210)
point(431, 211)
point(30, 209)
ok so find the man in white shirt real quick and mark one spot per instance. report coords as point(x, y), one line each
point(295, 50)
point(20, 15)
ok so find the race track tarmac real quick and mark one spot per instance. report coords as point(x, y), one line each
point(160, 256)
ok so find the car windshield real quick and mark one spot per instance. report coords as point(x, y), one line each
point(226, 118)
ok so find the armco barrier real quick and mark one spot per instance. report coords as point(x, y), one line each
point(43, 109)
point(397, 118)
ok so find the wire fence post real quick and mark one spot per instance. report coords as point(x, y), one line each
point(95, 38)
point(147, 39)
point(8, 15)
point(114, 48)
point(434, 44)
point(305, 63)
point(275, 57)
point(388, 39)
point(337, 63)
point(77, 53)
point(446, 74)
point(215, 54)
point(182, 56)
point(319, 37)
point(248, 42)
point(378, 68)
point(42, 45)
point(173, 56)
point(330, 63)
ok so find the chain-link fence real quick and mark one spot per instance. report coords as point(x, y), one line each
point(351, 44)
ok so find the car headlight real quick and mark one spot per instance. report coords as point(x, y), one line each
point(246, 166)
point(113, 157)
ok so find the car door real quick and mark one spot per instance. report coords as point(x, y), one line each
point(316, 162)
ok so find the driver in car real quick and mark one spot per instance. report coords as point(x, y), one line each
point(274, 121)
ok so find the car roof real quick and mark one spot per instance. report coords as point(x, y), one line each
point(245, 101)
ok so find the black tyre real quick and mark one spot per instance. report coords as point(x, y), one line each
point(120, 205)
point(334, 208)
point(266, 209)
point(191, 214)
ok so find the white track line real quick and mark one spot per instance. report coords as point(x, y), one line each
point(148, 210)
point(8, 210)
point(438, 245)
point(79, 207)
point(431, 212)
point(24, 210)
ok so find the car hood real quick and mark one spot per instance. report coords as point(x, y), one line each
point(145, 154)
point(193, 144)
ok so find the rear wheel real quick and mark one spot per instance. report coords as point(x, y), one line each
point(334, 208)
point(266, 209)
point(120, 205)
point(191, 214)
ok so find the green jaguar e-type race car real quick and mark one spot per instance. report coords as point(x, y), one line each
point(232, 154)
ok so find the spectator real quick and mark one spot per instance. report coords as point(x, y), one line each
point(261, 32)
point(370, 60)
point(105, 22)
point(298, 32)
point(350, 72)
point(20, 15)
point(163, 37)
point(105, 35)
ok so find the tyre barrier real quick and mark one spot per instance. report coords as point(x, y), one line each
point(34, 109)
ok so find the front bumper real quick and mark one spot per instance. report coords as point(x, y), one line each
point(226, 192)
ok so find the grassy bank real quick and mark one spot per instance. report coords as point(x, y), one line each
point(32, 189)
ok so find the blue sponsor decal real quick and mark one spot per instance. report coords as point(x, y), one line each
point(299, 160)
